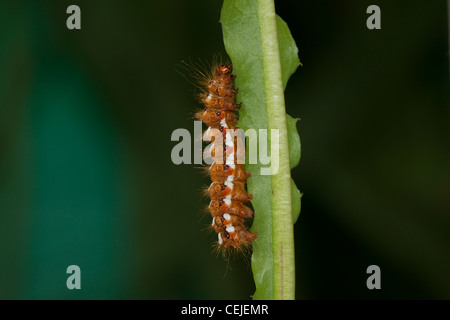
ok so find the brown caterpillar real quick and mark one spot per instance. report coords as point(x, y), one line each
point(227, 191)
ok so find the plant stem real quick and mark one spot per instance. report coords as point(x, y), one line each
point(283, 230)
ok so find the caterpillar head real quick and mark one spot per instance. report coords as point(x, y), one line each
point(224, 69)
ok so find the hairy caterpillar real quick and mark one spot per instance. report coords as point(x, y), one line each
point(227, 190)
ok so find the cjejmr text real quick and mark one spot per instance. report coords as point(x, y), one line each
point(231, 309)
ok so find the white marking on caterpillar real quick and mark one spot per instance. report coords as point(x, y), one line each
point(226, 216)
point(230, 229)
point(231, 164)
point(229, 140)
point(229, 184)
point(230, 160)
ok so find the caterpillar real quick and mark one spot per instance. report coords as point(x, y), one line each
point(227, 191)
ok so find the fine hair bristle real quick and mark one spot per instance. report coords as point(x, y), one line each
point(198, 72)
point(228, 253)
point(205, 193)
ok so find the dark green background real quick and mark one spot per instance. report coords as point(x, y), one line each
point(86, 176)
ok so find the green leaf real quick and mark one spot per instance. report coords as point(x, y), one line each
point(288, 51)
point(294, 141)
point(264, 56)
point(294, 156)
point(296, 201)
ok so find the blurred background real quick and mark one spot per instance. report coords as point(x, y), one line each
point(86, 176)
